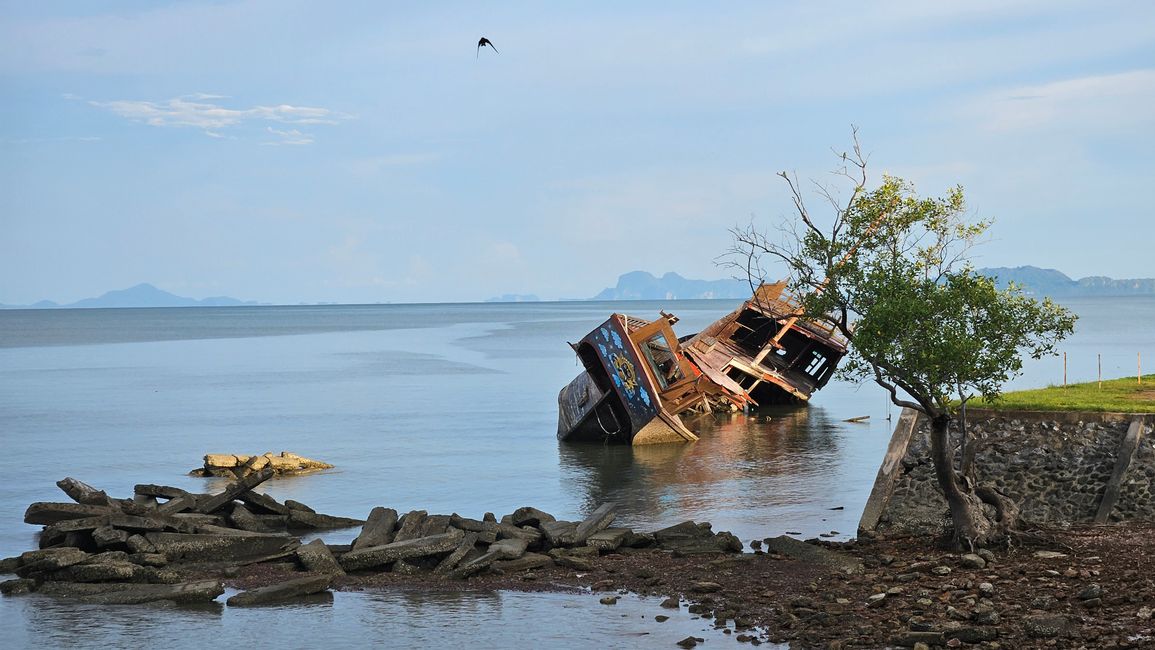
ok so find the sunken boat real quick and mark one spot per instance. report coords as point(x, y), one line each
point(635, 384)
point(770, 348)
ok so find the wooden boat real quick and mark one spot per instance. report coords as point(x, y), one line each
point(638, 378)
point(769, 347)
point(636, 381)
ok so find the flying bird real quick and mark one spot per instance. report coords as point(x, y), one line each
point(482, 43)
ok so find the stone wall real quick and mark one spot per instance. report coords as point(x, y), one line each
point(1058, 467)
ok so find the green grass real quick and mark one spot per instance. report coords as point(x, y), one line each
point(1116, 395)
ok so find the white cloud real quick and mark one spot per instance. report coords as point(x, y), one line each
point(1096, 103)
point(199, 111)
point(290, 136)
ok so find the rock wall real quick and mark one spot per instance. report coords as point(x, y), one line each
point(1059, 468)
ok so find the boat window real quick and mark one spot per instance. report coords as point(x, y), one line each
point(661, 360)
point(816, 365)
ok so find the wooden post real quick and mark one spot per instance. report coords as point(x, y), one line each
point(1064, 370)
point(1139, 366)
point(1100, 357)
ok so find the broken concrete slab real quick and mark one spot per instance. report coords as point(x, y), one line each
point(282, 591)
point(472, 525)
point(209, 529)
point(138, 544)
point(9, 564)
point(435, 525)
point(182, 503)
point(608, 539)
point(201, 591)
point(96, 572)
point(529, 516)
point(451, 561)
point(84, 493)
point(378, 528)
point(509, 531)
point(578, 562)
point(49, 559)
point(305, 519)
point(263, 503)
point(690, 538)
point(106, 536)
point(243, 518)
point(72, 525)
point(475, 566)
point(160, 491)
point(639, 540)
point(148, 559)
point(45, 513)
point(297, 505)
point(527, 562)
point(17, 586)
point(178, 547)
point(800, 550)
point(510, 548)
point(409, 526)
point(316, 556)
point(598, 520)
point(149, 503)
point(233, 491)
point(559, 533)
point(107, 556)
point(375, 556)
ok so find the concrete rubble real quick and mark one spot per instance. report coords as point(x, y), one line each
point(150, 548)
point(240, 466)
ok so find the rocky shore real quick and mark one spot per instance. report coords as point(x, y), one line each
point(1089, 587)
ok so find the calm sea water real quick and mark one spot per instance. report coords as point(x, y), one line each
point(446, 408)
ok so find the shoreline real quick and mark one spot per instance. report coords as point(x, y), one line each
point(1083, 587)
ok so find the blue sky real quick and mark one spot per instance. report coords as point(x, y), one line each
point(286, 151)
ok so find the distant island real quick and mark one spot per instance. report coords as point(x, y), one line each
point(142, 295)
point(640, 285)
point(1055, 284)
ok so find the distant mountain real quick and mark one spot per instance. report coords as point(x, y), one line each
point(142, 295)
point(1055, 284)
point(640, 285)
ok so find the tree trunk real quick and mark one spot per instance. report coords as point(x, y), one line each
point(972, 527)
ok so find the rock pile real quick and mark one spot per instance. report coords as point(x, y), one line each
point(240, 466)
point(106, 550)
point(524, 540)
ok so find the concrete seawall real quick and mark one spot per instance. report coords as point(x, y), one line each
point(1062, 468)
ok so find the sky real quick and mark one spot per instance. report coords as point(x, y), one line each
point(360, 152)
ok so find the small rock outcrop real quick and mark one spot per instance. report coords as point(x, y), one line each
point(240, 466)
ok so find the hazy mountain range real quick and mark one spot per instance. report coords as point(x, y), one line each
point(1049, 282)
point(142, 295)
point(640, 285)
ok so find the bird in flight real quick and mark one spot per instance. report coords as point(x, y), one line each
point(482, 43)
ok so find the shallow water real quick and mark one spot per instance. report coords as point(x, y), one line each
point(447, 408)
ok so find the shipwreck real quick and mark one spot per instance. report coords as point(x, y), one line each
point(639, 379)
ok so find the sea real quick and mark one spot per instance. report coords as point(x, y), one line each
point(438, 407)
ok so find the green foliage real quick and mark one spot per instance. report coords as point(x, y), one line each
point(893, 272)
point(1124, 395)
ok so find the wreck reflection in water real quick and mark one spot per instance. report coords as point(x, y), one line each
point(749, 474)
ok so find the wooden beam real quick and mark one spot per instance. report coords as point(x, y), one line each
point(1126, 454)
